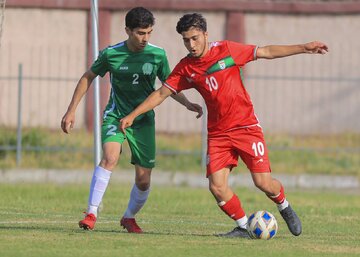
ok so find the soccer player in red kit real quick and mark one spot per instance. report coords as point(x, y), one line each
point(214, 70)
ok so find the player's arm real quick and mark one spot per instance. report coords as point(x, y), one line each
point(181, 98)
point(278, 51)
point(153, 100)
point(68, 120)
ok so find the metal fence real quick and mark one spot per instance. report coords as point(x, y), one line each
point(36, 102)
point(29, 101)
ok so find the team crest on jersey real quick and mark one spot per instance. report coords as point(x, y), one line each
point(222, 64)
point(147, 68)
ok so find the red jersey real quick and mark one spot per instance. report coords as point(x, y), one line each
point(217, 77)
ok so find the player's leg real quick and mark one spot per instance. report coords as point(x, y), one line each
point(138, 197)
point(221, 160)
point(275, 191)
point(112, 140)
point(253, 151)
point(228, 202)
point(142, 145)
point(99, 182)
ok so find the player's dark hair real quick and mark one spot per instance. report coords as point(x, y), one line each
point(195, 20)
point(139, 17)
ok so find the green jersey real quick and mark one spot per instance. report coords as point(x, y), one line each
point(132, 77)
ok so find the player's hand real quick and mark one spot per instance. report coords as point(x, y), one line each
point(67, 122)
point(316, 47)
point(125, 122)
point(195, 108)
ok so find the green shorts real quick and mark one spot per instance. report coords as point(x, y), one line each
point(141, 140)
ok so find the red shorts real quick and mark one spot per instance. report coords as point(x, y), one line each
point(248, 143)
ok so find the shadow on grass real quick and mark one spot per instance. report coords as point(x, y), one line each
point(96, 231)
point(119, 232)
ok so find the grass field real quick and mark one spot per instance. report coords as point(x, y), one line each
point(41, 220)
point(316, 154)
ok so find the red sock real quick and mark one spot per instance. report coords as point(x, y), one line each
point(233, 208)
point(278, 199)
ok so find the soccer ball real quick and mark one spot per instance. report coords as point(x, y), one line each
point(262, 225)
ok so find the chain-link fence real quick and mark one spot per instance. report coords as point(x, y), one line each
point(39, 103)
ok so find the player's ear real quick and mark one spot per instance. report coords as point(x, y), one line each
point(128, 31)
point(206, 35)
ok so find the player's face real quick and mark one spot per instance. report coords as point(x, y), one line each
point(196, 42)
point(138, 38)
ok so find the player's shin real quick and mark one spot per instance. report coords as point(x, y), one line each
point(234, 210)
point(136, 201)
point(99, 183)
point(279, 199)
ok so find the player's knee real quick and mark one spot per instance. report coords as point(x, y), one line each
point(263, 185)
point(142, 177)
point(109, 162)
point(142, 182)
point(143, 185)
point(217, 190)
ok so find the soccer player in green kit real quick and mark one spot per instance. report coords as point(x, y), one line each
point(133, 66)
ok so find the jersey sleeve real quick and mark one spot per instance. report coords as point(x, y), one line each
point(177, 80)
point(100, 66)
point(164, 69)
point(241, 53)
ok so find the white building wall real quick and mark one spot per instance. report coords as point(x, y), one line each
point(48, 43)
point(328, 103)
point(53, 43)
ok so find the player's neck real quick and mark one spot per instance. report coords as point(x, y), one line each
point(206, 50)
point(132, 48)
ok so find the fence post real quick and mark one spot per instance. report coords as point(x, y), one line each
point(204, 138)
point(19, 122)
point(96, 108)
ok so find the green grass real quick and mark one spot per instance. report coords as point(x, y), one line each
point(41, 220)
point(315, 154)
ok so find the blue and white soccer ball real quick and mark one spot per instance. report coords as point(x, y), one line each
point(262, 225)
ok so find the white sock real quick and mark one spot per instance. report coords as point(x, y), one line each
point(136, 201)
point(99, 183)
point(283, 205)
point(242, 222)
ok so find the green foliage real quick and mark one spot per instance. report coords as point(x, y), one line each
point(41, 220)
point(7, 136)
point(34, 137)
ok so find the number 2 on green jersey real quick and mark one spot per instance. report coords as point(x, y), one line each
point(135, 79)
